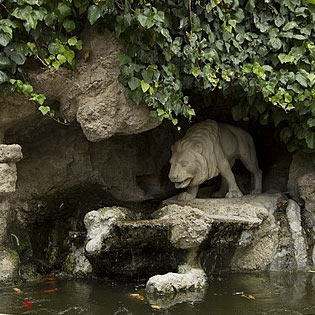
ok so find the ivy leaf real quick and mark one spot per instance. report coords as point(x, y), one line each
point(3, 77)
point(4, 62)
point(94, 13)
point(72, 41)
point(301, 79)
point(275, 43)
point(142, 20)
point(51, 19)
point(134, 83)
point(63, 10)
point(68, 25)
point(44, 109)
point(195, 71)
point(61, 58)
point(144, 86)
point(290, 25)
point(124, 59)
point(136, 95)
point(310, 138)
point(38, 98)
point(311, 122)
point(5, 38)
point(69, 54)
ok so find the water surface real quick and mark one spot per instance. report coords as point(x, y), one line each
point(228, 294)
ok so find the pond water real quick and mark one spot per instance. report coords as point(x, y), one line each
point(228, 294)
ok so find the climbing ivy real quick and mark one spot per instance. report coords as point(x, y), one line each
point(263, 50)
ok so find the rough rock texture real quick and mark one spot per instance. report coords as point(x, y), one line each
point(189, 226)
point(306, 187)
point(93, 95)
point(77, 264)
point(9, 155)
point(297, 233)
point(278, 244)
point(301, 165)
point(187, 279)
point(4, 212)
point(99, 225)
point(9, 265)
point(15, 109)
point(262, 232)
point(126, 168)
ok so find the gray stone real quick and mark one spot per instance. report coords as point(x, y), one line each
point(77, 264)
point(257, 254)
point(9, 265)
point(189, 226)
point(279, 243)
point(10, 153)
point(8, 177)
point(187, 279)
point(4, 213)
point(306, 187)
point(297, 234)
point(301, 165)
point(99, 225)
point(248, 209)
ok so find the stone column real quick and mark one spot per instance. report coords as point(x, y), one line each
point(9, 155)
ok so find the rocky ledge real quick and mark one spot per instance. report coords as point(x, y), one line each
point(252, 233)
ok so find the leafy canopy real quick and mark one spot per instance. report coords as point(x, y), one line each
point(262, 49)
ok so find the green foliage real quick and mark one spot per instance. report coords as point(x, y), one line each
point(263, 51)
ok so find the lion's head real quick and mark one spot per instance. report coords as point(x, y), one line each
point(192, 161)
point(187, 165)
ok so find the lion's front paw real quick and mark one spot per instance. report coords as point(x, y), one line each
point(185, 196)
point(233, 194)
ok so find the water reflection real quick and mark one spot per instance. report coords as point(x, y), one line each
point(238, 294)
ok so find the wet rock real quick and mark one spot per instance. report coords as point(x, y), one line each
point(306, 187)
point(187, 279)
point(99, 225)
point(9, 265)
point(77, 264)
point(297, 233)
point(278, 244)
point(120, 245)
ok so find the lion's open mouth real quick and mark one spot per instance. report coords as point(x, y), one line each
point(184, 183)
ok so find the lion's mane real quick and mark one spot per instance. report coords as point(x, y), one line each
point(203, 136)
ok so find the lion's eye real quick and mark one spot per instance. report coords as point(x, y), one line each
point(184, 164)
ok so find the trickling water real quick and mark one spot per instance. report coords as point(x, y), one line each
point(229, 294)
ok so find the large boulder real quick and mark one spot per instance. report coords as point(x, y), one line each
point(93, 95)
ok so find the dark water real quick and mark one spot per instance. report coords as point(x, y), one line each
point(274, 293)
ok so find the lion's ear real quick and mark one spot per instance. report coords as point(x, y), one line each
point(198, 148)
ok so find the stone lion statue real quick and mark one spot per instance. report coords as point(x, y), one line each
point(209, 149)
